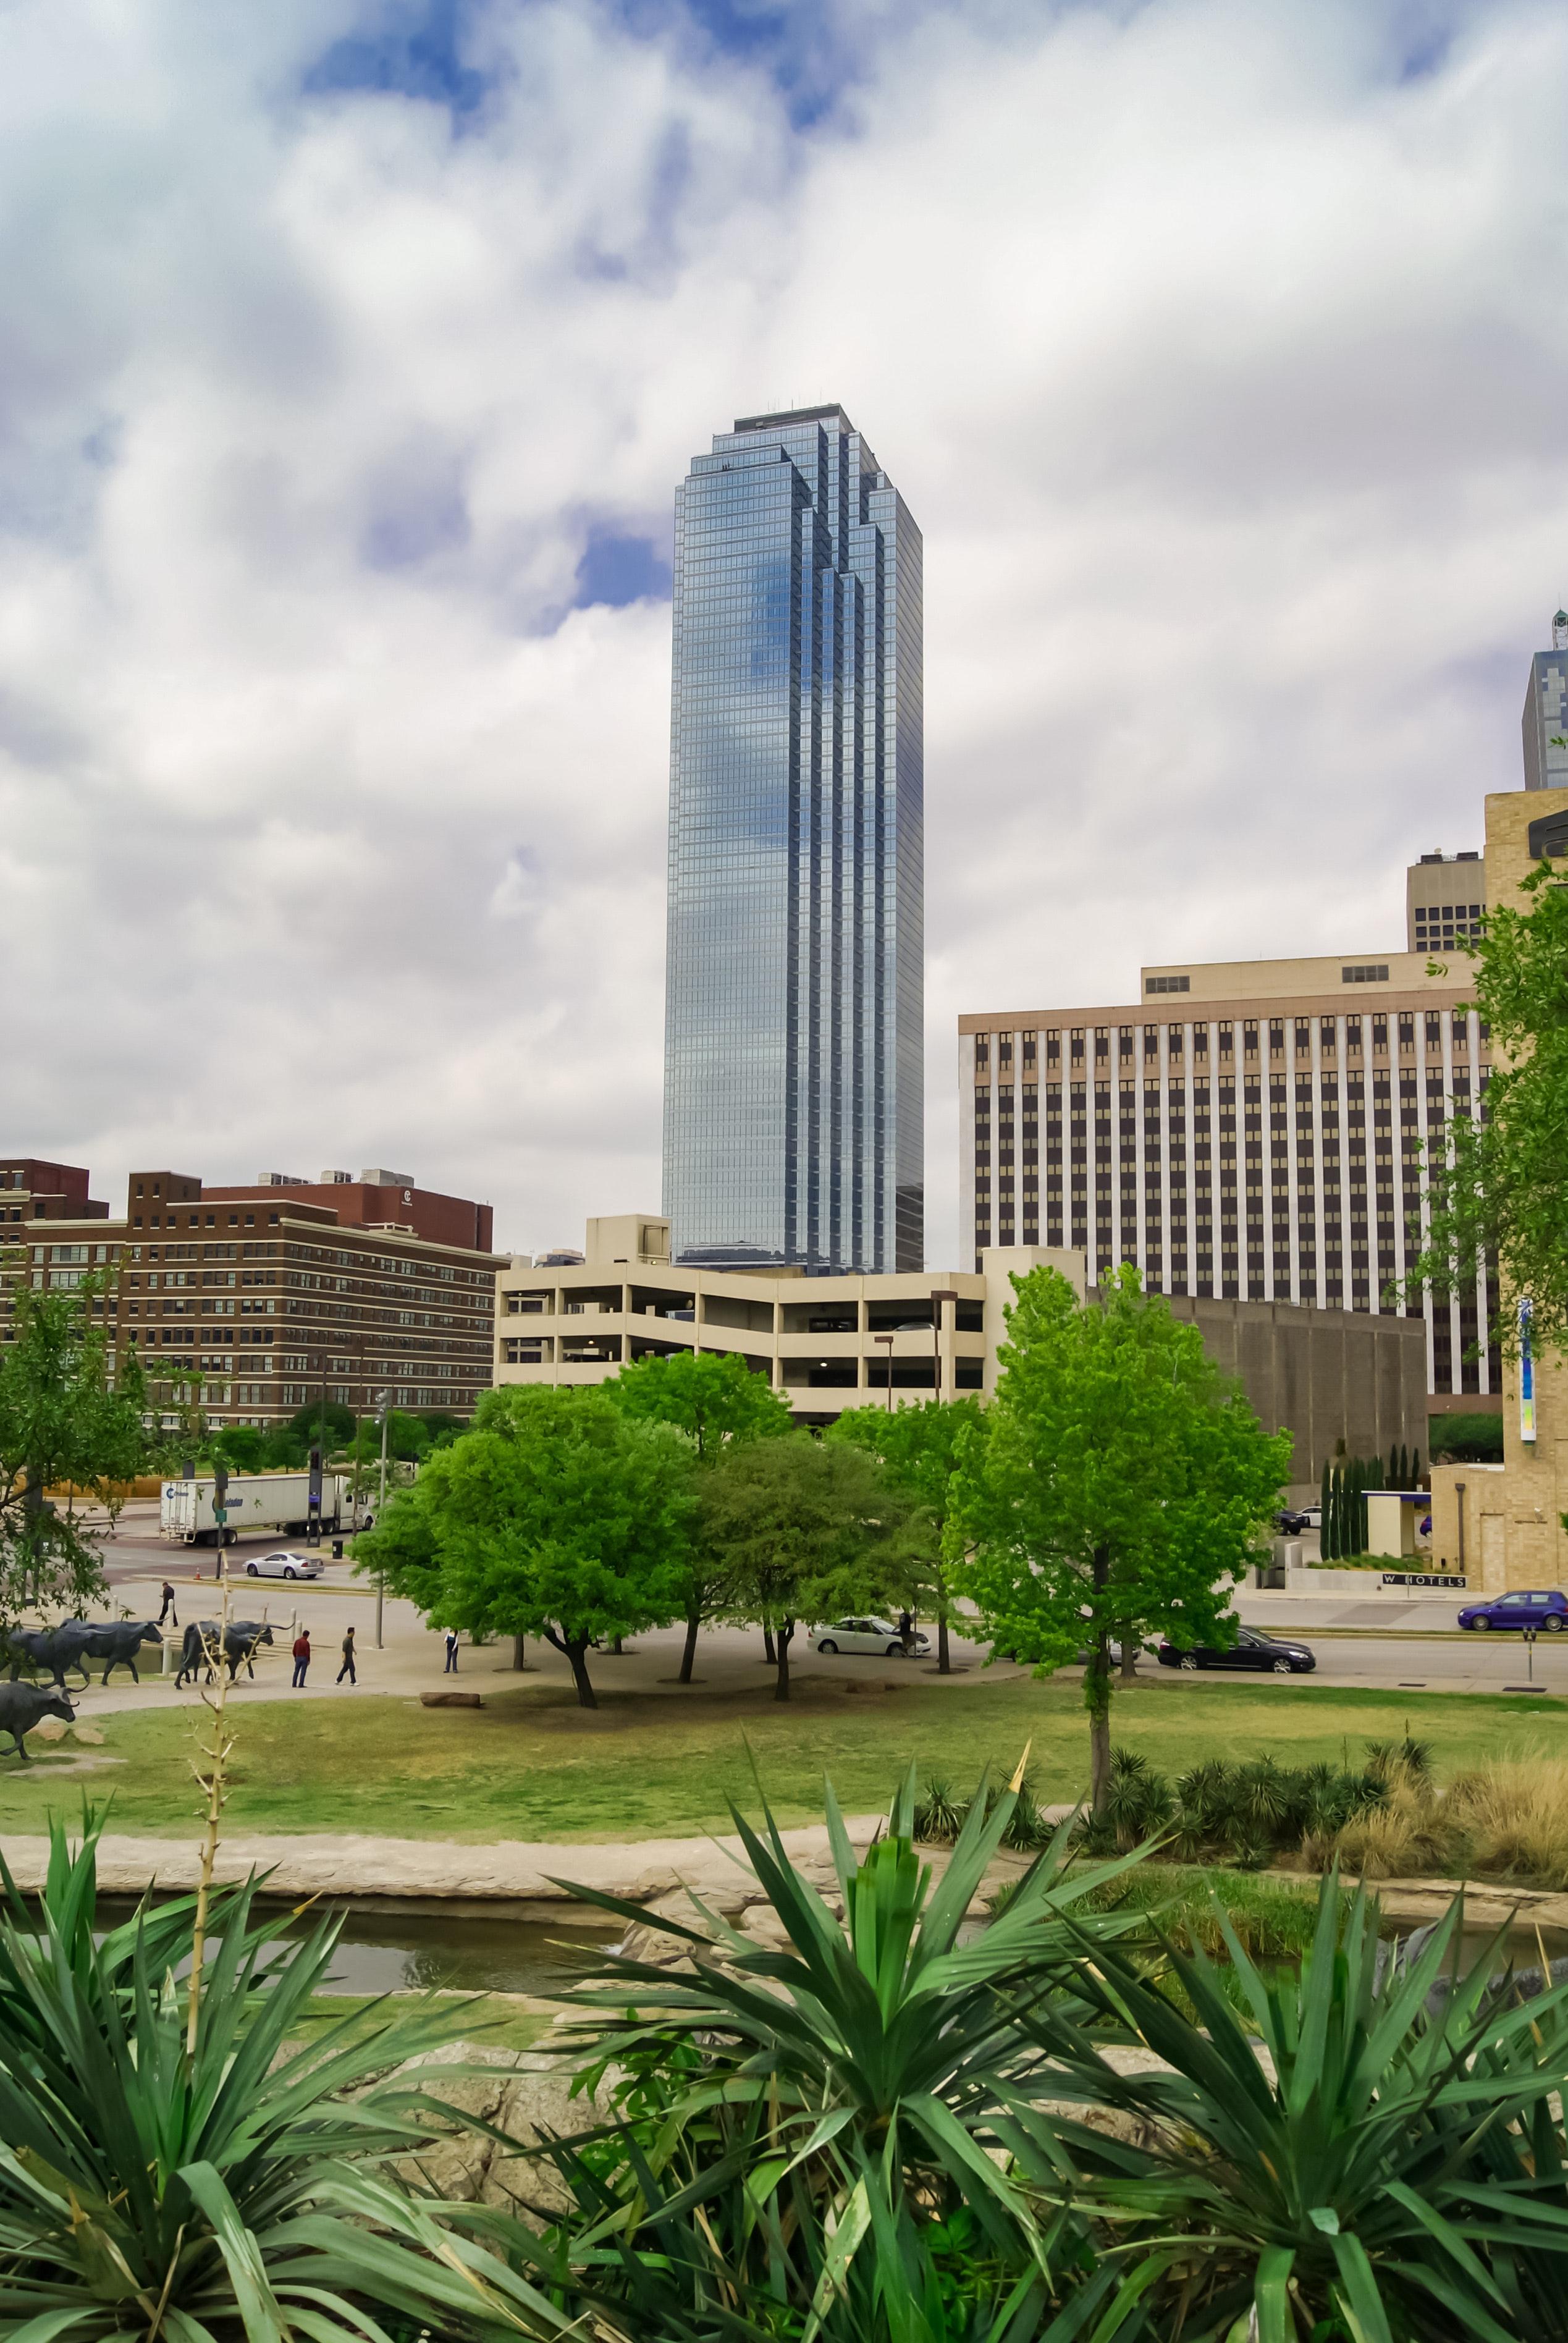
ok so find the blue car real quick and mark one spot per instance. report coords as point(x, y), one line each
point(1535, 1607)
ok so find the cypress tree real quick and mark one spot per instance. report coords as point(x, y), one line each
point(1326, 1514)
point(1349, 1508)
point(1402, 1482)
point(1362, 1479)
point(1334, 1512)
point(1392, 1481)
point(1415, 1480)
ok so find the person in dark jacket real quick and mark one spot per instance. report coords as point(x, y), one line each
point(168, 1611)
point(348, 1667)
point(451, 1667)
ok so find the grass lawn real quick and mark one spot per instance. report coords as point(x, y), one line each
point(497, 2020)
point(531, 1764)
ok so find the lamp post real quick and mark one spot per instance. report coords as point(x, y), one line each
point(384, 1402)
point(937, 1298)
point(888, 1341)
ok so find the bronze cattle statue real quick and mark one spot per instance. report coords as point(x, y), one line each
point(24, 1705)
point(116, 1642)
point(54, 1648)
point(240, 1638)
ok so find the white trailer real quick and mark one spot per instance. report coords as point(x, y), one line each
point(257, 1501)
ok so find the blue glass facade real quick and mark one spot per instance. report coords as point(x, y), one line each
point(793, 1110)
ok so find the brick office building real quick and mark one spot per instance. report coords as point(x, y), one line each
point(277, 1291)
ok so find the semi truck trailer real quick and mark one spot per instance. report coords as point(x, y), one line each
point(279, 1502)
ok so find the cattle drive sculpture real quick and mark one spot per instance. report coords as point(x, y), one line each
point(200, 1647)
point(75, 1642)
point(52, 1648)
point(24, 1705)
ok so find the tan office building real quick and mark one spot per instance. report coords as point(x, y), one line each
point(1249, 1130)
point(277, 1292)
point(827, 1343)
point(1503, 1525)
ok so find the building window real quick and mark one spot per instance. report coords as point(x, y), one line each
point(1368, 972)
point(1168, 984)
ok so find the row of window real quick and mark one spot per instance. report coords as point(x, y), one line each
point(1079, 1037)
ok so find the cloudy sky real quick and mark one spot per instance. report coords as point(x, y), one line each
point(350, 352)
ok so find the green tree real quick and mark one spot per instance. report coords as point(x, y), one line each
point(1498, 1187)
point(1326, 1514)
point(69, 1419)
point(802, 1530)
point(719, 1403)
point(921, 1447)
point(554, 1516)
point(1122, 1483)
point(241, 1447)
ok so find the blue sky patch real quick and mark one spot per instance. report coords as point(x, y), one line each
point(619, 569)
point(413, 49)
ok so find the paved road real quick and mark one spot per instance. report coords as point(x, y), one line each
point(1379, 1643)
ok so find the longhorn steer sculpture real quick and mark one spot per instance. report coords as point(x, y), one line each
point(199, 1648)
point(24, 1705)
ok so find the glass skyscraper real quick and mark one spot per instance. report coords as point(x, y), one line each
point(793, 1072)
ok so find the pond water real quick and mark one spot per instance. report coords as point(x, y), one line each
point(392, 1945)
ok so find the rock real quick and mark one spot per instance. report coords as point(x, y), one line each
point(528, 2094)
point(451, 1700)
point(49, 1728)
point(91, 1734)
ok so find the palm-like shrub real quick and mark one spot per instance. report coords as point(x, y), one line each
point(148, 2189)
point(1389, 2175)
point(815, 2135)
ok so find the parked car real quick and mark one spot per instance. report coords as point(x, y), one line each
point(1291, 1520)
point(1250, 1650)
point(859, 1635)
point(285, 1565)
point(1543, 1607)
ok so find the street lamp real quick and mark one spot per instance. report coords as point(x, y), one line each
point(384, 1402)
point(887, 1340)
point(937, 1298)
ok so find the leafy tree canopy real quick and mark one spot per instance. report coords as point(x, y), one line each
point(712, 1397)
point(1121, 1487)
point(804, 1531)
point(554, 1516)
point(922, 1447)
point(1501, 1186)
point(67, 1421)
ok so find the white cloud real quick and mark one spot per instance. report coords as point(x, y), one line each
point(1223, 367)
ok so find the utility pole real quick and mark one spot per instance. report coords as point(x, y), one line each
point(887, 1340)
point(384, 1401)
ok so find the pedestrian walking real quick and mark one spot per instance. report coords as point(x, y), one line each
point(168, 1611)
point(301, 1658)
point(451, 1667)
point(348, 1667)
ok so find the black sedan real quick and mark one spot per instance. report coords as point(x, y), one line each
point(1249, 1650)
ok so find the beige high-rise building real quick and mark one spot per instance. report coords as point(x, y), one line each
point(1502, 1525)
point(1250, 1129)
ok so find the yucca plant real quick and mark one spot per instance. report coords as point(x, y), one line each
point(939, 1816)
point(1397, 2178)
point(157, 2187)
point(804, 2132)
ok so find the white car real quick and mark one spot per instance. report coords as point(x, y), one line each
point(285, 1565)
point(879, 1636)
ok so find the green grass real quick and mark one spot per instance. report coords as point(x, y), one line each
point(531, 1764)
point(496, 2019)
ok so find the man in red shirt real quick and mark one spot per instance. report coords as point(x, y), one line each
point(301, 1658)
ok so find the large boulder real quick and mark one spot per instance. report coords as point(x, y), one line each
point(525, 2093)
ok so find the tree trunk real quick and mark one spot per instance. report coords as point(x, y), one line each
point(944, 1660)
point(615, 1647)
point(1129, 1659)
point(577, 1653)
point(782, 1688)
point(574, 1650)
point(693, 1621)
point(770, 1654)
point(516, 1651)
